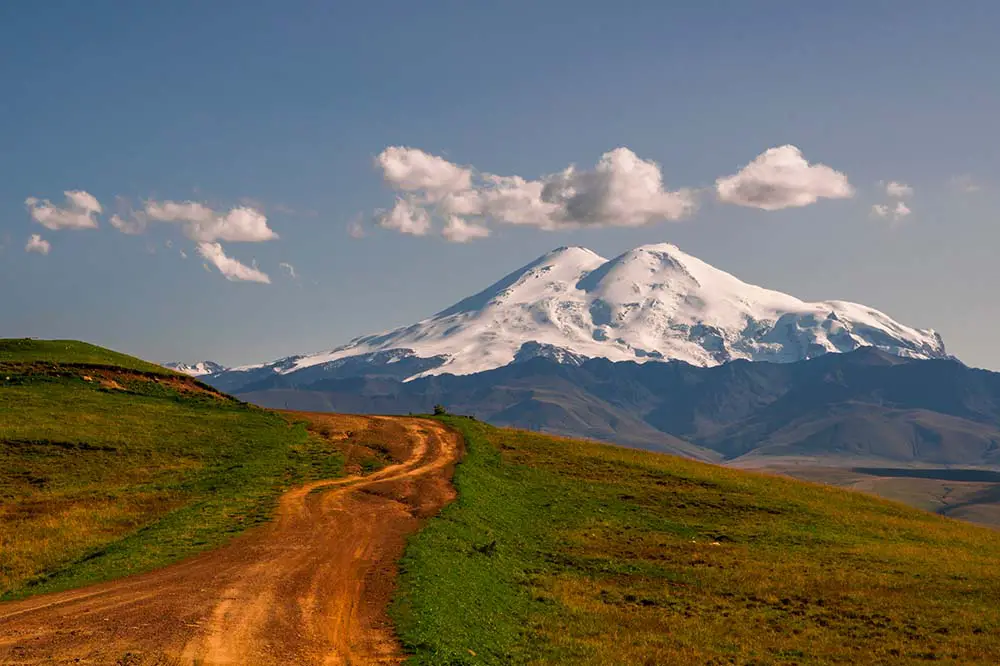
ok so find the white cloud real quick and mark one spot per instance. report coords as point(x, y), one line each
point(37, 244)
point(232, 269)
point(80, 212)
point(289, 269)
point(898, 190)
point(412, 170)
point(514, 200)
point(895, 209)
point(782, 178)
point(621, 190)
point(132, 226)
point(406, 217)
point(205, 225)
point(458, 230)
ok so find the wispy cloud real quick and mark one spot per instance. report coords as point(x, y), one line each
point(232, 269)
point(79, 212)
point(356, 227)
point(199, 222)
point(204, 224)
point(891, 212)
point(289, 270)
point(895, 209)
point(965, 183)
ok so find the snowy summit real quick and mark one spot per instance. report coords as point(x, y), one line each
point(651, 303)
point(199, 369)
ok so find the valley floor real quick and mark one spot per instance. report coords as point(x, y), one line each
point(311, 587)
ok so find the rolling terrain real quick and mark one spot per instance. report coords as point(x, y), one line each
point(573, 552)
point(308, 588)
point(110, 465)
point(126, 494)
point(149, 519)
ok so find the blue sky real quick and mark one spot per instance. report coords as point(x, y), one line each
point(283, 107)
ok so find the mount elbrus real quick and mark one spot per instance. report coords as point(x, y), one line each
point(653, 303)
point(657, 349)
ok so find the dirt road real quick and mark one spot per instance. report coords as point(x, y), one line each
point(311, 587)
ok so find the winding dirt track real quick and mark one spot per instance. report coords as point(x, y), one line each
point(311, 587)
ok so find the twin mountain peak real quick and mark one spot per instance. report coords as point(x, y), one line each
point(652, 303)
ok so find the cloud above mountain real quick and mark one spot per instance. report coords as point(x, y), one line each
point(200, 222)
point(459, 203)
point(408, 216)
point(413, 170)
point(232, 269)
point(206, 226)
point(622, 189)
point(782, 178)
point(457, 230)
point(79, 212)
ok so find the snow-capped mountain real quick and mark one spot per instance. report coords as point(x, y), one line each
point(653, 303)
point(199, 369)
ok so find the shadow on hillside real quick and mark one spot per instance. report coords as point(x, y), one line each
point(967, 475)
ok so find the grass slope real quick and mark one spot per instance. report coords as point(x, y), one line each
point(71, 353)
point(111, 466)
point(569, 552)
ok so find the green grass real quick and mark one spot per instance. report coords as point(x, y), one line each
point(71, 352)
point(107, 473)
point(567, 552)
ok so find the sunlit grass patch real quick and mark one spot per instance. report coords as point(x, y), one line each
point(568, 552)
point(71, 352)
point(106, 472)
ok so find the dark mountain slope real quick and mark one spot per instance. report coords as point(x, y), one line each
point(864, 403)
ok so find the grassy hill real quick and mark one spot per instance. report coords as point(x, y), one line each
point(70, 353)
point(569, 552)
point(110, 465)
